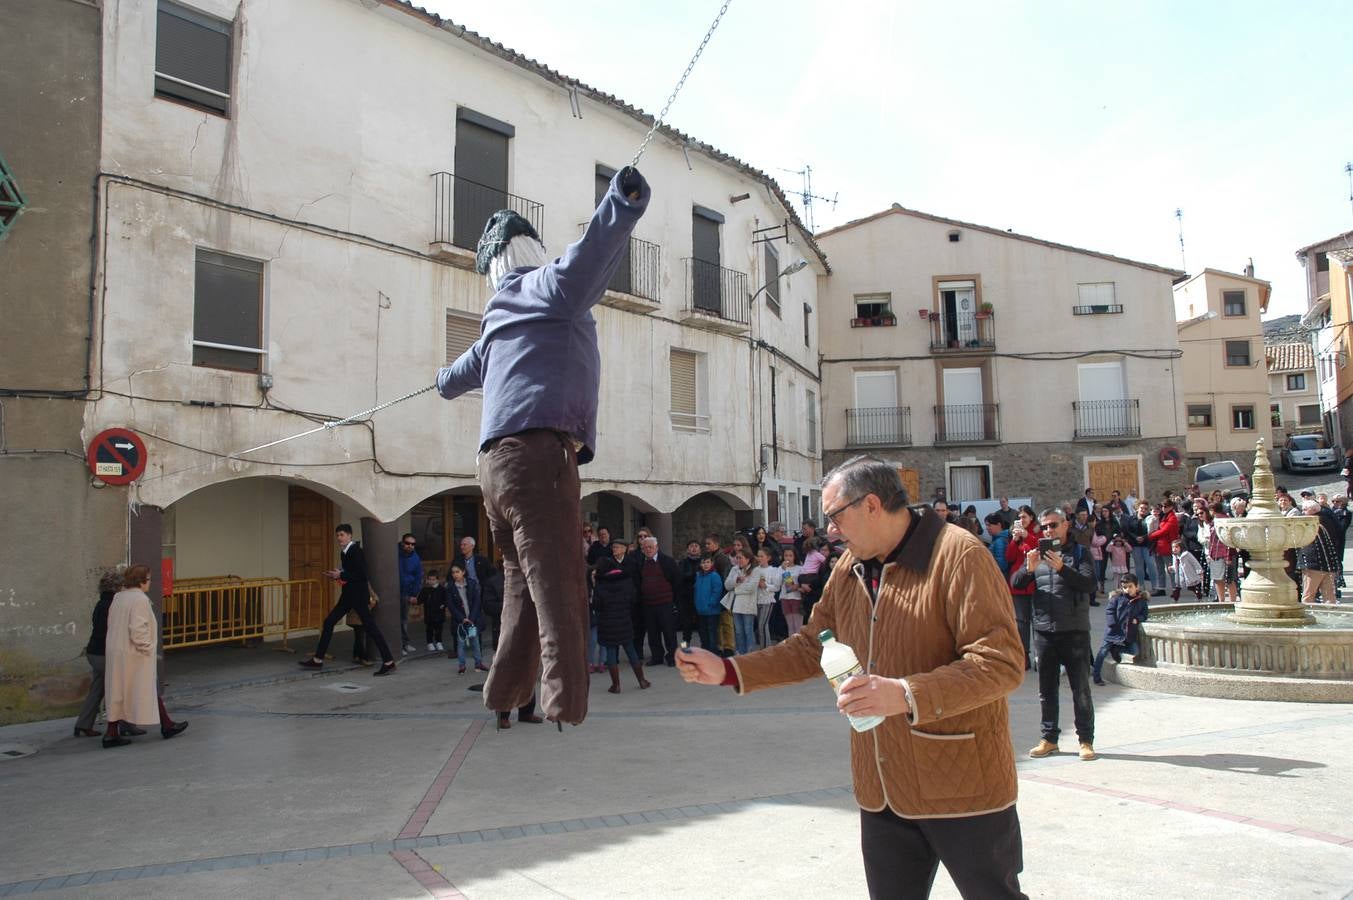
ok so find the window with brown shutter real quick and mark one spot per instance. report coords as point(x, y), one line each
point(227, 312)
point(192, 57)
point(685, 367)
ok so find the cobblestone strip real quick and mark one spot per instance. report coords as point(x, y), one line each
point(1197, 810)
point(452, 839)
point(426, 875)
point(419, 820)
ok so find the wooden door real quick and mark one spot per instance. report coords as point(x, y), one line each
point(310, 534)
point(1108, 475)
point(911, 480)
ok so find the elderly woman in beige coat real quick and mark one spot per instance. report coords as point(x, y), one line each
point(129, 681)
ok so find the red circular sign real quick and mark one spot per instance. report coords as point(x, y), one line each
point(1170, 457)
point(117, 456)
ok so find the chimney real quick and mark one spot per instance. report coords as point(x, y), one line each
point(1249, 269)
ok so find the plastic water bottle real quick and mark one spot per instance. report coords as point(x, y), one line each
point(839, 663)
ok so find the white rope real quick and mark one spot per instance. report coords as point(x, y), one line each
point(336, 423)
point(676, 90)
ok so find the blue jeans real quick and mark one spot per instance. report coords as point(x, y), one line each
point(593, 649)
point(613, 654)
point(1104, 650)
point(461, 641)
point(1141, 563)
point(709, 633)
point(1162, 580)
point(744, 632)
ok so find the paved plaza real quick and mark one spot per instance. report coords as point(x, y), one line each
point(341, 785)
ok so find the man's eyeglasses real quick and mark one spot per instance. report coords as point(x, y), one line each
point(831, 516)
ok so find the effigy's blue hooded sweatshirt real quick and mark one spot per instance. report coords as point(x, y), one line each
point(537, 357)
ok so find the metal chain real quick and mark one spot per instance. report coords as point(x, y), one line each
point(676, 90)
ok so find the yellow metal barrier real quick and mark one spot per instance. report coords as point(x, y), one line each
point(217, 611)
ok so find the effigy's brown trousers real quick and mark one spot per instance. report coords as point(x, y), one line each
point(531, 497)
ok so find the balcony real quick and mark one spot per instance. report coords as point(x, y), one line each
point(873, 321)
point(1103, 419)
point(968, 423)
point(882, 426)
point(1098, 309)
point(461, 209)
point(715, 297)
point(963, 333)
point(635, 284)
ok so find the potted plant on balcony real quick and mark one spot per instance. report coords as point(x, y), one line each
point(983, 311)
point(933, 316)
point(925, 313)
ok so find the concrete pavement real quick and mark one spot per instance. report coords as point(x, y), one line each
point(402, 788)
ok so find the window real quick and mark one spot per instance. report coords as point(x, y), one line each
point(772, 279)
point(1322, 261)
point(192, 58)
point(462, 330)
point(228, 312)
point(1237, 353)
point(622, 281)
point(873, 306)
point(687, 402)
point(1242, 418)
point(706, 276)
point(810, 408)
point(1098, 293)
point(1200, 415)
point(1308, 414)
point(480, 188)
point(807, 329)
point(969, 483)
point(1275, 415)
point(1296, 382)
point(1233, 303)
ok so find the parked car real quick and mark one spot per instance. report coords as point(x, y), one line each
point(1224, 476)
point(1309, 451)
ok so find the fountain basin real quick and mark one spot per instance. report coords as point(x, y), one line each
point(1198, 649)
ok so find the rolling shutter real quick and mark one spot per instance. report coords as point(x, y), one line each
point(462, 330)
point(685, 400)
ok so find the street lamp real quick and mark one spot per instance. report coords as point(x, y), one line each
point(790, 269)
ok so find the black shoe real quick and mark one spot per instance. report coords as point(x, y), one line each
point(1094, 602)
point(174, 730)
point(130, 730)
point(671, 662)
point(310, 663)
point(115, 742)
point(385, 669)
point(1100, 682)
point(86, 732)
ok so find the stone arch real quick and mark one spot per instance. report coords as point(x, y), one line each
point(705, 512)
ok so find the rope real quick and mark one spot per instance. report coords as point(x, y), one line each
point(336, 423)
point(676, 90)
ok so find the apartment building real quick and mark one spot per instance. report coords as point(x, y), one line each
point(1224, 378)
point(1326, 264)
point(990, 363)
point(1294, 393)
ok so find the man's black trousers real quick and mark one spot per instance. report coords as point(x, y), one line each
point(1054, 649)
point(660, 623)
point(983, 854)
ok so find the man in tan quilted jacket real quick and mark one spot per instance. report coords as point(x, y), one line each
point(928, 614)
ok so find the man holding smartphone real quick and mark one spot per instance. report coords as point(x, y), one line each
point(1062, 574)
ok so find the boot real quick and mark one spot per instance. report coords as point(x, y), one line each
point(615, 679)
point(639, 674)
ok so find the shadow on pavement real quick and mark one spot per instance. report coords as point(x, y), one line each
point(1272, 766)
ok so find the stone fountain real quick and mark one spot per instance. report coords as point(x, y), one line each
point(1269, 646)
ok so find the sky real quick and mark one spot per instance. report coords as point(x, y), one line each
point(1082, 123)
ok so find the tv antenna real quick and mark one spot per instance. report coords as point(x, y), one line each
point(1183, 263)
point(806, 196)
point(1348, 169)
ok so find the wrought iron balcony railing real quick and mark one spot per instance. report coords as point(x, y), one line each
point(640, 271)
point(967, 423)
point(881, 426)
point(1107, 419)
point(964, 332)
point(462, 206)
point(714, 291)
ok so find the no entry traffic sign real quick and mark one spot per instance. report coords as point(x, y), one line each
point(117, 456)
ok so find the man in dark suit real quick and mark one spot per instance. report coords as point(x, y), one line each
point(1087, 503)
point(354, 597)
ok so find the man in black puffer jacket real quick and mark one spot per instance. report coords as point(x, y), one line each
point(1062, 574)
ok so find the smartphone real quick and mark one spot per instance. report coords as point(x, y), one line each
point(1047, 545)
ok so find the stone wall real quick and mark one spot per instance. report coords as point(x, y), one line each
point(698, 517)
point(1050, 473)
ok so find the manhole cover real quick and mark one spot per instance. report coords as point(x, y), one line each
point(16, 751)
point(347, 687)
